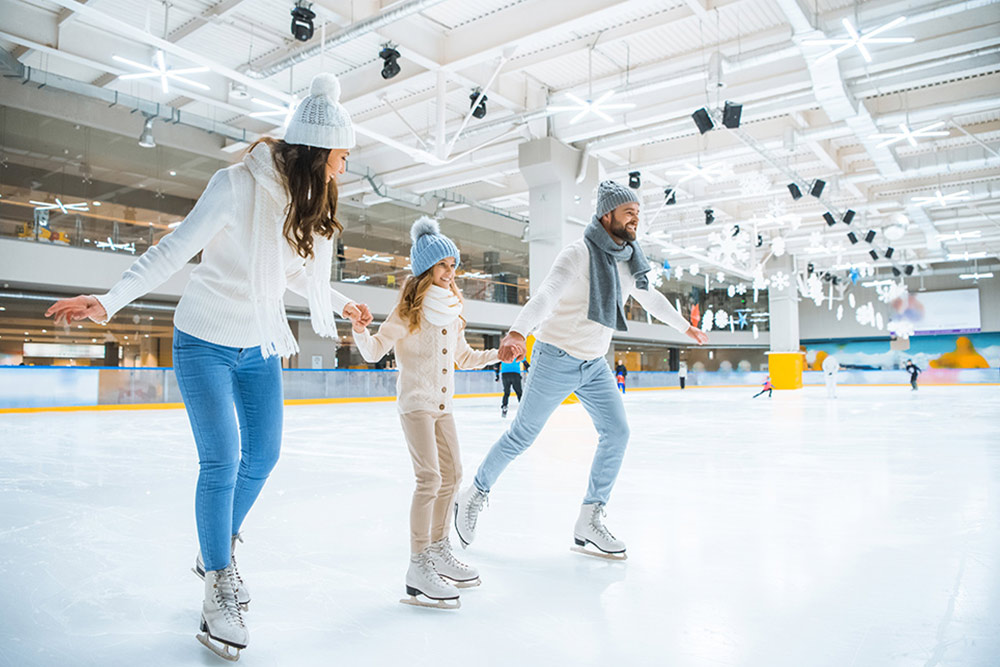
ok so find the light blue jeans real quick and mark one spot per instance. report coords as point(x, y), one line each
point(234, 401)
point(553, 376)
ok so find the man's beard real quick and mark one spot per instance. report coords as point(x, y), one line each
point(619, 230)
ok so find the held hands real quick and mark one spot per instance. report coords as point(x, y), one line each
point(512, 347)
point(697, 335)
point(359, 315)
point(77, 308)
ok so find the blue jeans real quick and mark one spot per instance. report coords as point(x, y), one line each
point(234, 401)
point(554, 375)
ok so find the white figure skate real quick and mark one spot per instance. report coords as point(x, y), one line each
point(468, 505)
point(242, 594)
point(425, 587)
point(590, 530)
point(222, 626)
point(450, 568)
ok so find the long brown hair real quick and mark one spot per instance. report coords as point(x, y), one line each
point(303, 172)
point(411, 299)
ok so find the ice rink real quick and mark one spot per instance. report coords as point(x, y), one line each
point(796, 531)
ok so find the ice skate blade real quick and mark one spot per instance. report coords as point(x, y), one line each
point(417, 599)
point(470, 583)
point(596, 553)
point(220, 650)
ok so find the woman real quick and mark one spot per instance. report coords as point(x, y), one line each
point(263, 225)
point(427, 329)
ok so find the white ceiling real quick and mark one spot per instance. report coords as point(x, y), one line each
point(812, 118)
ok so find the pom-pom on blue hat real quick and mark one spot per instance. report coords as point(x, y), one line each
point(430, 246)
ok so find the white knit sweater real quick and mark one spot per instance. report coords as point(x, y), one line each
point(557, 312)
point(426, 360)
point(217, 303)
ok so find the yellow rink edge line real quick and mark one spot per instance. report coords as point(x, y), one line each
point(387, 399)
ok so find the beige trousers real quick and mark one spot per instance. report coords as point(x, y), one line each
point(437, 465)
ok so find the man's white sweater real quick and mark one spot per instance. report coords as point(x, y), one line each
point(217, 305)
point(557, 313)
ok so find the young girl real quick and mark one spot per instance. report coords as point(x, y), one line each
point(426, 328)
point(263, 225)
point(767, 386)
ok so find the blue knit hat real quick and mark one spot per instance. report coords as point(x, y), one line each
point(611, 195)
point(430, 246)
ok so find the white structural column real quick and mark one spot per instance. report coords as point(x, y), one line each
point(560, 204)
point(784, 360)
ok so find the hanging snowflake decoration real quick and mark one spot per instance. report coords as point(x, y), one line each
point(901, 328)
point(721, 319)
point(678, 272)
point(759, 281)
point(731, 291)
point(693, 269)
point(720, 276)
point(741, 288)
point(865, 315)
point(756, 331)
point(728, 248)
point(707, 320)
point(879, 322)
point(780, 280)
point(658, 278)
point(812, 288)
point(891, 292)
point(776, 209)
point(840, 312)
point(850, 300)
point(778, 246)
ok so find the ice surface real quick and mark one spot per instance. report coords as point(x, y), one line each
point(795, 531)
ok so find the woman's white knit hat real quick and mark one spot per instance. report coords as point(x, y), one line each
point(320, 120)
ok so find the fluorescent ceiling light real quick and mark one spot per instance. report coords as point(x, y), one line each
point(960, 236)
point(966, 256)
point(598, 107)
point(161, 70)
point(368, 259)
point(709, 172)
point(282, 111)
point(941, 199)
point(975, 276)
point(860, 40)
point(909, 135)
point(65, 208)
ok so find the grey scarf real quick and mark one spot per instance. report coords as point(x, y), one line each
point(606, 303)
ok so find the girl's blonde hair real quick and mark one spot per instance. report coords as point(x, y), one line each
point(411, 299)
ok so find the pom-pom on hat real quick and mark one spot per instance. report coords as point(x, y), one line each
point(320, 120)
point(430, 246)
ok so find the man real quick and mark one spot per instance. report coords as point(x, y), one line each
point(510, 372)
point(573, 314)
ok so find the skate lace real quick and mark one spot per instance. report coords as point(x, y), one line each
point(225, 596)
point(238, 537)
point(598, 525)
point(443, 549)
point(426, 566)
point(476, 506)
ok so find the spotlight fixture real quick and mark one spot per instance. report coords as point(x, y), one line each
point(634, 179)
point(709, 216)
point(889, 251)
point(848, 216)
point(731, 115)
point(830, 220)
point(817, 188)
point(146, 139)
point(794, 189)
point(390, 67)
point(852, 237)
point(896, 272)
point(870, 236)
point(478, 110)
point(760, 240)
point(703, 120)
point(873, 254)
point(908, 269)
point(671, 195)
point(302, 21)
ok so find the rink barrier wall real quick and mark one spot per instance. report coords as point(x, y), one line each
point(62, 388)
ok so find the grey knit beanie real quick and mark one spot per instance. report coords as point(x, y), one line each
point(611, 195)
point(320, 120)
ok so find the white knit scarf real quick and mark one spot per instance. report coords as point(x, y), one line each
point(441, 306)
point(267, 271)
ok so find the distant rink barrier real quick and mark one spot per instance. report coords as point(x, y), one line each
point(48, 387)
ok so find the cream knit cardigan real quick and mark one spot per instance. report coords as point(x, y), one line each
point(426, 360)
point(235, 295)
